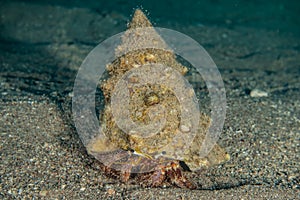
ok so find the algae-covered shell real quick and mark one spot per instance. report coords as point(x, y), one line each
point(150, 109)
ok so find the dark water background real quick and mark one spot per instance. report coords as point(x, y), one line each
point(276, 15)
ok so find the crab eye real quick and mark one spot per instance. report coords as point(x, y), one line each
point(131, 150)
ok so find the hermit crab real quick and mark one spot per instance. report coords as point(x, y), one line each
point(150, 124)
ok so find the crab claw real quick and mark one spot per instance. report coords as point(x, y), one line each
point(175, 176)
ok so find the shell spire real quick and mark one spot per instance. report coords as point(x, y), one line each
point(139, 20)
point(140, 34)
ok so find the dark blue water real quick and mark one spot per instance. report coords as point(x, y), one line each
point(275, 15)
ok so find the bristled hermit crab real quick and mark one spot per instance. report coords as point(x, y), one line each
point(144, 130)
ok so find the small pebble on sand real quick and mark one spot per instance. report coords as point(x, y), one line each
point(258, 93)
